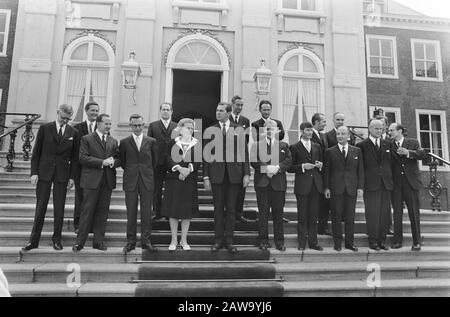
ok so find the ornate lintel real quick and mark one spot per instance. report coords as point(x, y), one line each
point(209, 33)
point(95, 33)
point(296, 45)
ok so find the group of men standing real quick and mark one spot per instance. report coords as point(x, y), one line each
point(330, 173)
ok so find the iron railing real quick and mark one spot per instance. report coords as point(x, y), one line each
point(27, 137)
point(435, 187)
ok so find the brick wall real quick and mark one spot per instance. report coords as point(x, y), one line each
point(408, 94)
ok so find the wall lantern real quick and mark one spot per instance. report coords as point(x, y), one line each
point(130, 73)
point(263, 81)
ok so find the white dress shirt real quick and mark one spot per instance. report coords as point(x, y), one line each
point(227, 125)
point(91, 126)
point(58, 126)
point(375, 141)
point(345, 147)
point(307, 144)
point(166, 122)
point(138, 140)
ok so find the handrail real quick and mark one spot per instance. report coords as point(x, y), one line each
point(27, 137)
point(27, 121)
point(440, 159)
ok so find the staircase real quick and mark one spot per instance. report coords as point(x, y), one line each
point(45, 272)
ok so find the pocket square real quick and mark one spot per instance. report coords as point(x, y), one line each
point(70, 139)
point(356, 158)
point(282, 151)
point(387, 151)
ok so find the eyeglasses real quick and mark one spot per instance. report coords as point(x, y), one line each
point(137, 125)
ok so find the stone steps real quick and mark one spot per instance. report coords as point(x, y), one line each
point(27, 210)
point(62, 290)
point(199, 224)
point(241, 238)
point(351, 288)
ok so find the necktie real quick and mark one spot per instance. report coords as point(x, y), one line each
point(104, 140)
point(224, 129)
point(60, 134)
point(343, 152)
point(398, 144)
point(236, 119)
point(269, 149)
point(138, 144)
point(377, 145)
point(90, 127)
point(308, 147)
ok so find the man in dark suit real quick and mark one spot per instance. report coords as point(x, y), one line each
point(339, 121)
point(161, 130)
point(54, 162)
point(344, 181)
point(319, 123)
point(226, 168)
point(377, 186)
point(258, 131)
point(99, 156)
point(405, 169)
point(240, 120)
point(84, 128)
point(307, 164)
point(271, 159)
point(138, 156)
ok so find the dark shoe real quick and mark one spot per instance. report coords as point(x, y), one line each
point(316, 247)
point(77, 248)
point(326, 232)
point(416, 247)
point(216, 247)
point(29, 246)
point(338, 248)
point(57, 246)
point(280, 247)
point(242, 220)
point(231, 248)
point(101, 247)
point(396, 246)
point(129, 247)
point(263, 246)
point(390, 232)
point(384, 247)
point(301, 248)
point(351, 248)
point(374, 247)
point(285, 220)
point(149, 247)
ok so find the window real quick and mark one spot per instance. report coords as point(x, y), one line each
point(374, 6)
point(87, 74)
point(432, 131)
point(392, 113)
point(5, 16)
point(306, 5)
point(426, 60)
point(302, 86)
point(382, 56)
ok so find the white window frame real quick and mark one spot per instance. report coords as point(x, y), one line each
point(442, 114)
point(110, 65)
point(397, 111)
point(394, 57)
point(1, 95)
point(438, 60)
point(5, 39)
point(318, 12)
point(201, 5)
point(320, 76)
point(374, 3)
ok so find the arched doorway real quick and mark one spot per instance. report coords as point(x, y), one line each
point(197, 77)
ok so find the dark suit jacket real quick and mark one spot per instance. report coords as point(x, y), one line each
point(322, 141)
point(344, 174)
point(332, 139)
point(236, 169)
point(163, 137)
point(377, 167)
point(50, 155)
point(257, 125)
point(408, 166)
point(92, 154)
point(305, 180)
point(137, 163)
point(244, 123)
point(82, 131)
point(278, 182)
